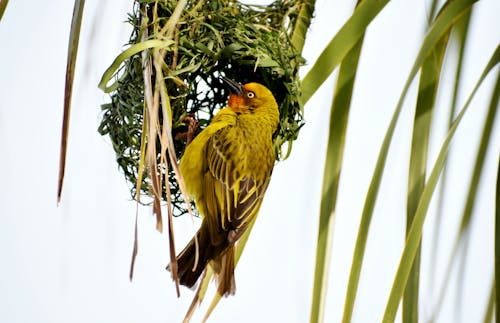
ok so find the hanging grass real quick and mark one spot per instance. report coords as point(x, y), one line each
point(208, 39)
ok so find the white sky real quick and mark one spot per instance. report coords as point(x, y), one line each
point(71, 263)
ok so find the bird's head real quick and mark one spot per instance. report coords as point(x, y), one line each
point(250, 98)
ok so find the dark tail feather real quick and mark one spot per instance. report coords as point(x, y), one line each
point(221, 259)
point(225, 274)
point(187, 272)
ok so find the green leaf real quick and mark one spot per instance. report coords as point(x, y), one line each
point(335, 150)
point(132, 50)
point(340, 45)
point(488, 316)
point(497, 247)
point(74, 38)
point(3, 5)
point(415, 233)
point(497, 244)
point(428, 86)
point(460, 31)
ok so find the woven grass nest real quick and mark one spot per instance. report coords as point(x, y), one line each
point(247, 43)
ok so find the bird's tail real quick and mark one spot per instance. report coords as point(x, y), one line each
point(190, 268)
point(224, 272)
point(220, 257)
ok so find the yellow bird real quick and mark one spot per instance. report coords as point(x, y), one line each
point(227, 169)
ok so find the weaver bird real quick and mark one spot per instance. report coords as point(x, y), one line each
point(227, 168)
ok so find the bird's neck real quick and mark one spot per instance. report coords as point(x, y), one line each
point(259, 121)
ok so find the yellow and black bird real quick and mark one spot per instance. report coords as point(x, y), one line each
point(227, 169)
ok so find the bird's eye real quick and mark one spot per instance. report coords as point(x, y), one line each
point(250, 95)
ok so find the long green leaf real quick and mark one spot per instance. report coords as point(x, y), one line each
point(488, 315)
point(74, 38)
point(340, 45)
point(497, 247)
point(429, 80)
point(335, 151)
point(436, 32)
point(132, 50)
point(460, 30)
point(3, 5)
point(415, 233)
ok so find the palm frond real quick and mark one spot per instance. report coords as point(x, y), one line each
point(415, 232)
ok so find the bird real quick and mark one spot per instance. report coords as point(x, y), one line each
point(226, 169)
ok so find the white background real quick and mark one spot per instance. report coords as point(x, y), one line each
point(70, 263)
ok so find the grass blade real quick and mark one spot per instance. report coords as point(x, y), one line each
point(171, 238)
point(460, 30)
point(415, 233)
point(138, 194)
point(334, 155)
point(3, 5)
point(340, 45)
point(497, 247)
point(429, 80)
point(488, 316)
point(132, 50)
point(74, 38)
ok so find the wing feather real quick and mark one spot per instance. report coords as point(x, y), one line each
point(237, 195)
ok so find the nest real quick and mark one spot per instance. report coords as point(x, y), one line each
point(246, 43)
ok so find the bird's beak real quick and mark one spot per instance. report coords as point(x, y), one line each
point(234, 86)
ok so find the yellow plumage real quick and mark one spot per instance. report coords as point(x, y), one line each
point(226, 169)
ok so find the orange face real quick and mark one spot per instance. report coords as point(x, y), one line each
point(247, 99)
point(236, 102)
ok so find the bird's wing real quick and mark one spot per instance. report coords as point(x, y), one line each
point(232, 195)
